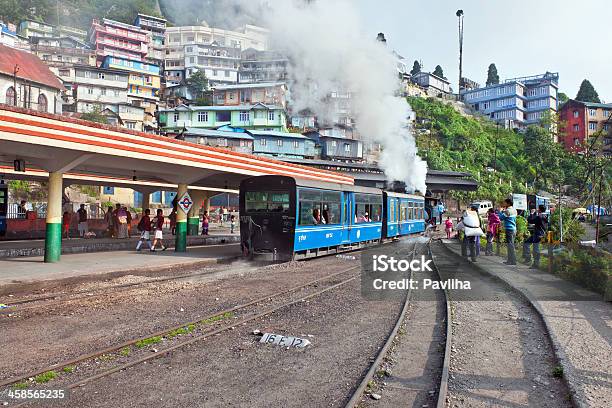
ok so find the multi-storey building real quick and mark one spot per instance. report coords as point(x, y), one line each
point(219, 63)
point(262, 66)
point(30, 28)
point(518, 101)
point(143, 85)
point(179, 38)
point(115, 39)
point(65, 31)
point(237, 141)
point(581, 120)
point(336, 147)
point(282, 144)
point(156, 27)
point(25, 81)
point(270, 93)
point(256, 116)
point(9, 37)
point(62, 51)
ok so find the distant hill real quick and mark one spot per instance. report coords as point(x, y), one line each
point(227, 14)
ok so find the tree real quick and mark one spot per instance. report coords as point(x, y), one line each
point(197, 84)
point(492, 77)
point(587, 93)
point(416, 68)
point(562, 98)
point(543, 154)
point(438, 72)
point(95, 116)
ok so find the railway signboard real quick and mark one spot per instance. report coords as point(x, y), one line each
point(285, 341)
point(185, 202)
point(519, 201)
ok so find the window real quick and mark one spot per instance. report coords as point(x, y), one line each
point(42, 103)
point(606, 126)
point(202, 116)
point(592, 112)
point(319, 207)
point(263, 142)
point(90, 91)
point(64, 72)
point(368, 208)
point(176, 116)
point(10, 96)
point(576, 141)
point(227, 74)
point(267, 201)
point(347, 148)
point(221, 141)
point(592, 125)
point(279, 142)
point(108, 190)
point(100, 75)
point(103, 91)
point(296, 144)
point(116, 92)
point(130, 125)
point(223, 116)
point(271, 115)
point(334, 143)
point(244, 116)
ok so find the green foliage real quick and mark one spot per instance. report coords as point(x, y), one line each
point(416, 68)
point(544, 156)
point(45, 377)
point(198, 85)
point(522, 232)
point(95, 116)
point(573, 231)
point(492, 76)
point(76, 13)
point(586, 267)
point(562, 98)
point(558, 371)
point(439, 72)
point(68, 369)
point(148, 342)
point(587, 93)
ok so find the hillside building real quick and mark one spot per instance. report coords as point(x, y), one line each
point(25, 81)
point(262, 66)
point(582, 120)
point(156, 27)
point(518, 101)
point(115, 39)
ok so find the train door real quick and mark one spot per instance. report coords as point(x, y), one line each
point(347, 218)
point(3, 206)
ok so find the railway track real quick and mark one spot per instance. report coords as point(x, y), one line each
point(373, 385)
point(102, 363)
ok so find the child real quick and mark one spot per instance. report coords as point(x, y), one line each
point(205, 223)
point(158, 224)
point(144, 226)
point(66, 224)
point(449, 227)
point(232, 223)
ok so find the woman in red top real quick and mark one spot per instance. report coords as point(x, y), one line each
point(158, 224)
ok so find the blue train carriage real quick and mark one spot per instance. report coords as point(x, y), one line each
point(534, 201)
point(283, 218)
point(404, 214)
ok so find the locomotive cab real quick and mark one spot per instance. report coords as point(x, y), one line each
point(267, 217)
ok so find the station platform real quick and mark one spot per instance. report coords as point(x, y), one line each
point(16, 272)
point(579, 323)
point(36, 247)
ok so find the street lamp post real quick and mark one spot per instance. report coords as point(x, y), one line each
point(459, 15)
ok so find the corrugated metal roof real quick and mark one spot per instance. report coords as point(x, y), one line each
point(223, 108)
point(30, 67)
point(247, 86)
point(191, 131)
point(277, 134)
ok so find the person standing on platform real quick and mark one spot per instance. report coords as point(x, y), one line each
point(172, 218)
point(205, 220)
point(441, 211)
point(109, 219)
point(540, 226)
point(66, 218)
point(122, 231)
point(508, 217)
point(221, 215)
point(158, 225)
point(144, 226)
point(232, 223)
point(472, 230)
point(492, 226)
point(82, 214)
point(448, 227)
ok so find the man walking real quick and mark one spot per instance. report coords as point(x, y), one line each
point(82, 214)
point(540, 225)
point(508, 218)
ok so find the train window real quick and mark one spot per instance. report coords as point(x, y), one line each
point(368, 208)
point(266, 201)
point(319, 207)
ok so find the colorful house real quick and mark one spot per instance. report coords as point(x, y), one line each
point(258, 116)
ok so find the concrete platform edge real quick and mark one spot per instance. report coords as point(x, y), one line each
point(568, 374)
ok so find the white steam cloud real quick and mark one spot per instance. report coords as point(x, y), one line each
point(329, 51)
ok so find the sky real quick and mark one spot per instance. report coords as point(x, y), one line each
point(522, 38)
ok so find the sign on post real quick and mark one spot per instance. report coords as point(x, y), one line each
point(519, 201)
point(185, 202)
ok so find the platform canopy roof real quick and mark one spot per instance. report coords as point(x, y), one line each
point(58, 143)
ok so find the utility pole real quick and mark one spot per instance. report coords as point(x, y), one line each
point(495, 151)
point(15, 71)
point(459, 15)
point(560, 217)
point(601, 175)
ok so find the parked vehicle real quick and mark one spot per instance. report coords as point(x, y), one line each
point(483, 206)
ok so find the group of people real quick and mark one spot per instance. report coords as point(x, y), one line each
point(146, 226)
point(471, 225)
point(118, 221)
